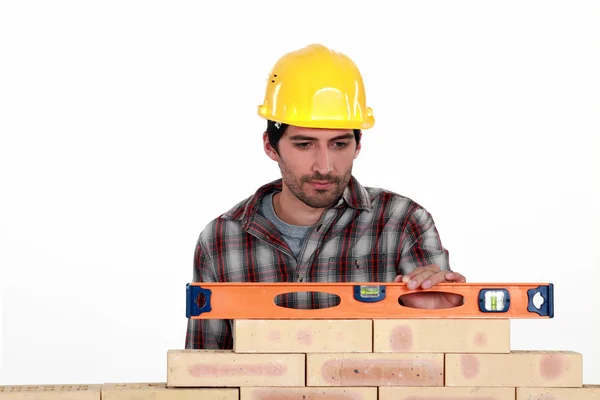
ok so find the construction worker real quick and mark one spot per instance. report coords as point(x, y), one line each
point(317, 223)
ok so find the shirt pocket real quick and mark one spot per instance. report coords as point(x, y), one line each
point(376, 267)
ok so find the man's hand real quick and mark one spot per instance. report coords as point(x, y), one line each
point(426, 278)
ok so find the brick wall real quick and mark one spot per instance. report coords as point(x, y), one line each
point(387, 359)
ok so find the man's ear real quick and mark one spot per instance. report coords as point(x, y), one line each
point(269, 150)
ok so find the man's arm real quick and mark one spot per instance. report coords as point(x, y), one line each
point(421, 244)
point(424, 263)
point(207, 333)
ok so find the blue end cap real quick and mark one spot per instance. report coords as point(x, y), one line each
point(193, 292)
point(546, 294)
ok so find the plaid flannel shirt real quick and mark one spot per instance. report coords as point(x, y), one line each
point(370, 235)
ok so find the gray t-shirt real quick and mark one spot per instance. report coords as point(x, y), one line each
point(293, 234)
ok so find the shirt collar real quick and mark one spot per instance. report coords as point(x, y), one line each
point(355, 196)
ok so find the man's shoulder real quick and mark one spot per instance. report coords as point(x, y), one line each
point(392, 204)
point(238, 215)
point(382, 197)
point(239, 210)
point(399, 210)
point(229, 219)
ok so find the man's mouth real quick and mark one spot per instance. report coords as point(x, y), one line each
point(321, 184)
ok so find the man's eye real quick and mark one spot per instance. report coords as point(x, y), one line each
point(302, 145)
point(341, 144)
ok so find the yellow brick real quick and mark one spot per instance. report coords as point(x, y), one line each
point(518, 368)
point(441, 335)
point(51, 392)
point(308, 393)
point(225, 368)
point(586, 392)
point(160, 391)
point(302, 336)
point(374, 369)
point(446, 393)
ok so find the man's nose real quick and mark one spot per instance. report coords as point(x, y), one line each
point(323, 162)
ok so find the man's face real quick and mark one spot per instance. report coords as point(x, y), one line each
point(316, 164)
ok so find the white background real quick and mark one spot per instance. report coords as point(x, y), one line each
point(127, 125)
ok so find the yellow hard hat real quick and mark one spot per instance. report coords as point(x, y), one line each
point(316, 87)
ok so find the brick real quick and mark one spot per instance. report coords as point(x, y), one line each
point(51, 392)
point(518, 368)
point(441, 335)
point(374, 369)
point(446, 393)
point(160, 391)
point(309, 393)
point(225, 368)
point(586, 392)
point(302, 336)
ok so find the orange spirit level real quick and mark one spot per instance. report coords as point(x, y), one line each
point(367, 300)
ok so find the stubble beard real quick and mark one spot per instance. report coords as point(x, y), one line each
point(322, 198)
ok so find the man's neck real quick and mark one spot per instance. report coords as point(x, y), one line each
point(293, 211)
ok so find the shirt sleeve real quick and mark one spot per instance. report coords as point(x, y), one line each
point(207, 333)
point(421, 243)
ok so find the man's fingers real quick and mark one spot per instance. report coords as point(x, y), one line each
point(426, 275)
point(433, 280)
point(419, 270)
point(455, 277)
point(429, 276)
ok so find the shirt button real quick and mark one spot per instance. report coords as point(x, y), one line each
point(300, 278)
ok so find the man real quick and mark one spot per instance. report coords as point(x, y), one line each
point(317, 223)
